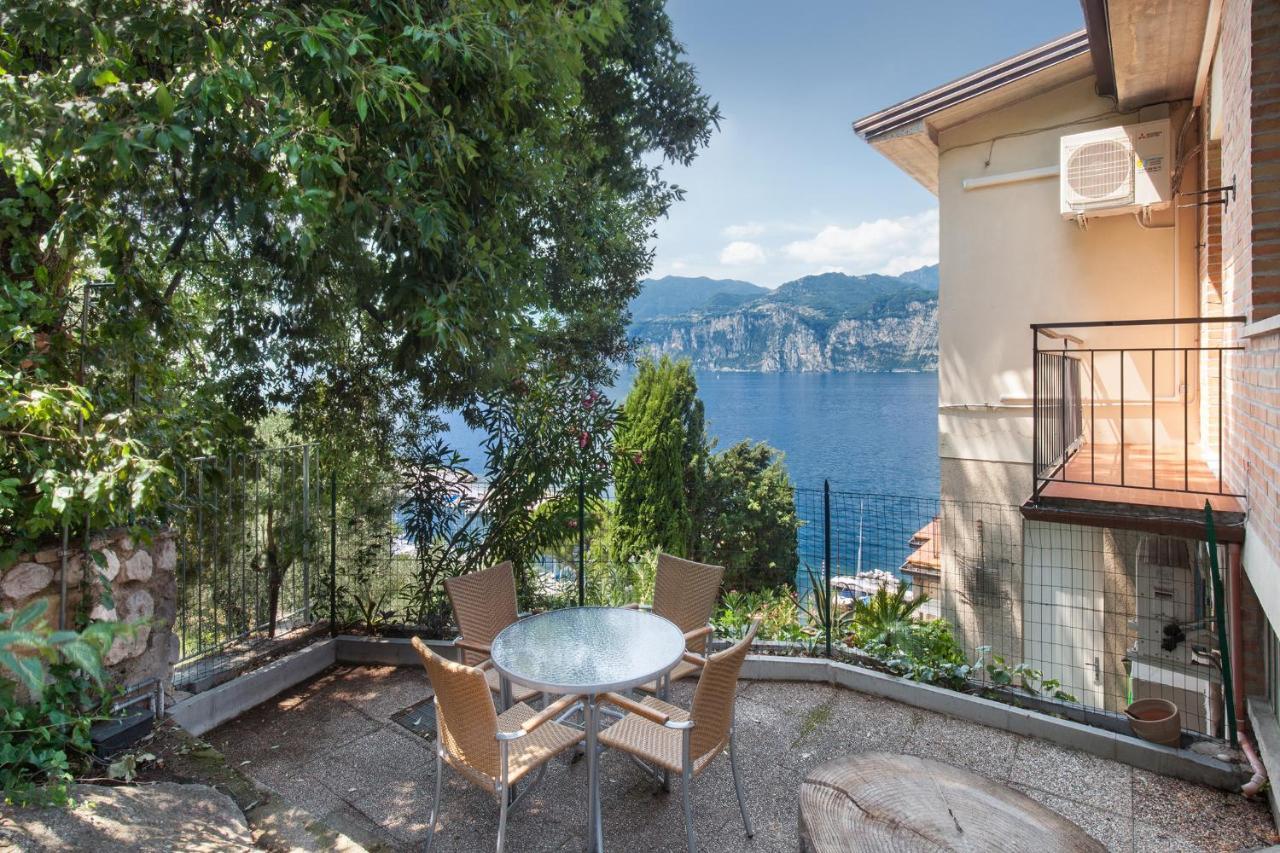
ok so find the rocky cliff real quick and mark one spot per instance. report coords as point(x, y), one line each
point(821, 323)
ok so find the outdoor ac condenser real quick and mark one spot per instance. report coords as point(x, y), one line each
point(1115, 170)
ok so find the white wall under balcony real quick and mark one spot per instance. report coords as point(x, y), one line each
point(1008, 260)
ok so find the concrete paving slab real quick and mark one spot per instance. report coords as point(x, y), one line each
point(338, 754)
point(1112, 829)
point(978, 748)
point(381, 691)
point(1075, 775)
point(1207, 818)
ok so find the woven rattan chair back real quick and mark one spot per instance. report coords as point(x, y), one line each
point(712, 711)
point(484, 603)
point(685, 592)
point(464, 703)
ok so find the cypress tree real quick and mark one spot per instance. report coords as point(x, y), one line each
point(661, 463)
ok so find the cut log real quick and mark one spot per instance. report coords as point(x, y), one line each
point(878, 801)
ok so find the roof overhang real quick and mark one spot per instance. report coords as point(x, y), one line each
point(1151, 51)
point(907, 133)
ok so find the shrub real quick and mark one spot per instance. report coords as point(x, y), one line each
point(44, 741)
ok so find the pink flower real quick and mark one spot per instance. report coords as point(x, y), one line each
point(591, 399)
point(584, 439)
point(637, 459)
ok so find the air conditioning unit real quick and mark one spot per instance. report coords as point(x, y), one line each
point(1115, 170)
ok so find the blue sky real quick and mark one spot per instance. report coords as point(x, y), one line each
point(785, 188)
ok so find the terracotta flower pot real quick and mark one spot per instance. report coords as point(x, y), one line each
point(1156, 720)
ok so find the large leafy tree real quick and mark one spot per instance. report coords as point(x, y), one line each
point(746, 520)
point(660, 466)
point(359, 213)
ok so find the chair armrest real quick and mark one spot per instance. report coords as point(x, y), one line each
point(704, 631)
point(479, 648)
point(631, 706)
point(696, 660)
point(544, 716)
point(550, 712)
point(487, 663)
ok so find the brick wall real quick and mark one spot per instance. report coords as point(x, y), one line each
point(1264, 175)
point(1243, 269)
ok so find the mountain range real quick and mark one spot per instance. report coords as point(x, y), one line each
point(819, 323)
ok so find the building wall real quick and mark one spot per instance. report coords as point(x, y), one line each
point(1244, 104)
point(1008, 259)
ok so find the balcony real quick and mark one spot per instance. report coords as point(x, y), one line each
point(1128, 422)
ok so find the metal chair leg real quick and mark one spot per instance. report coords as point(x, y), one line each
point(435, 803)
point(686, 784)
point(504, 797)
point(502, 822)
point(737, 786)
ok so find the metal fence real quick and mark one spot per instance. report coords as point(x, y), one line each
point(251, 535)
point(1111, 615)
point(269, 550)
point(1119, 409)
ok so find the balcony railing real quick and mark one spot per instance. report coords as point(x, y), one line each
point(1130, 404)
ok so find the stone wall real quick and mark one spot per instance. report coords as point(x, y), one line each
point(143, 591)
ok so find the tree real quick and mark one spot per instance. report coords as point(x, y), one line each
point(357, 213)
point(747, 519)
point(660, 460)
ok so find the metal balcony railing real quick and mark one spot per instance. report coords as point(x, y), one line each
point(1139, 416)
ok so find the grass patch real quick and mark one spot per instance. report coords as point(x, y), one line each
point(817, 716)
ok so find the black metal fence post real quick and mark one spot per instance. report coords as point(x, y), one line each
point(333, 554)
point(582, 543)
point(826, 561)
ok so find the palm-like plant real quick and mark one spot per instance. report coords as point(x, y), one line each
point(886, 618)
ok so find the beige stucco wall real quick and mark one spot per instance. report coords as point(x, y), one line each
point(1008, 259)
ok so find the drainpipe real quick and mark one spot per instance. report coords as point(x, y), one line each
point(1236, 577)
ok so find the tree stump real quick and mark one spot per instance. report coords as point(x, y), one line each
point(880, 801)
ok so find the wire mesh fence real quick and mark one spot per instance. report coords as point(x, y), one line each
point(1089, 617)
point(1102, 616)
point(250, 536)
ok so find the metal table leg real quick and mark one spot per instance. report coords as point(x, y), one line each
point(595, 841)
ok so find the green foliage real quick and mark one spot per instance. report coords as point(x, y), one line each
point(613, 584)
point(44, 740)
point(886, 618)
point(358, 214)
point(659, 472)
point(746, 520)
point(777, 609)
point(924, 651)
point(1019, 676)
point(28, 648)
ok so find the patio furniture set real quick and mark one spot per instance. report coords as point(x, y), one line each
point(591, 658)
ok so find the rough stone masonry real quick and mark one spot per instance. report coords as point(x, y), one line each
point(141, 578)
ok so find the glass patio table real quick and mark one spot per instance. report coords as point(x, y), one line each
point(588, 651)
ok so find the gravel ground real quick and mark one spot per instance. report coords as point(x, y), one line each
point(331, 747)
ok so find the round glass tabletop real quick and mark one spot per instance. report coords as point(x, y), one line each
point(587, 649)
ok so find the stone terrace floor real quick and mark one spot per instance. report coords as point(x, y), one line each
point(331, 747)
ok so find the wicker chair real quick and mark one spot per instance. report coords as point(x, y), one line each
point(484, 603)
point(492, 750)
point(685, 592)
point(667, 739)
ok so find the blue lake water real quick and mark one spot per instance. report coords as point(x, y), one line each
point(868, 434)
point(874, 433)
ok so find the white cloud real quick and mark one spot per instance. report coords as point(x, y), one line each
point(741, 253)
point(888, 246)
point(745, 230)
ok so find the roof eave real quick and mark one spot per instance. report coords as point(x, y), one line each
point(906, 133)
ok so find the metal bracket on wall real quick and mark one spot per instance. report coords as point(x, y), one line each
point(1227, 194)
